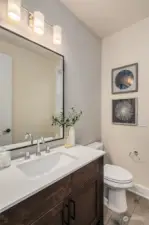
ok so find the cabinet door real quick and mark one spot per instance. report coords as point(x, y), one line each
point(56, 216)
point(35, 207)
point(84, 206)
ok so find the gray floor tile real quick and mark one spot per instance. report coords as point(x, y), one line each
point(118, 219)
point(142, 208)
point(137, 220)
point(111, 222)
point(146, 220)
point(133, 222)
point(138, 212)
point(136, 206)
point(107, 215)
point(132, 201)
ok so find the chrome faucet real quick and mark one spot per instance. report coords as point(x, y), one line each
point(29, 137)
point(39, 141)
point(47, 147)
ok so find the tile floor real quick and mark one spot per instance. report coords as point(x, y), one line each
point(138, 212)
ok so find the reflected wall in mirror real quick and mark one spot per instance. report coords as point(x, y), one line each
point(31, 90)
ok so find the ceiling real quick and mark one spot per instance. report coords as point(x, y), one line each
point(105, 17)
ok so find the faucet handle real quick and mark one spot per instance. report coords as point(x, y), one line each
point(26, 136)
point(30, 137)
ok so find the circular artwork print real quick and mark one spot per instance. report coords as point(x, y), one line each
point(124, 111)
point(124, 79)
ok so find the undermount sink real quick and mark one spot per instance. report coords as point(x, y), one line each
point(46, 164)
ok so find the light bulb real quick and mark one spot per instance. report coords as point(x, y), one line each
point(14, 9)
point(57, 35)
point(38, 26)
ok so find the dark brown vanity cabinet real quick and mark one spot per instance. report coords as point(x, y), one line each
point(75, 200)
point(85, 202)
point(54, 217)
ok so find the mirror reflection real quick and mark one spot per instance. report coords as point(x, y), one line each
point(31, 90)
point(124, 79)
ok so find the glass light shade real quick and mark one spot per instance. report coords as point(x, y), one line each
point(38, 23)
point(57, 35)
point(14, 9)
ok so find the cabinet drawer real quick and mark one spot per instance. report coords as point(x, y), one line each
point(85, 174)
point(36, 206)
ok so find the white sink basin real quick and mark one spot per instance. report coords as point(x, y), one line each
point(46, 164)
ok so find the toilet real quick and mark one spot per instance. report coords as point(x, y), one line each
point(116, 181)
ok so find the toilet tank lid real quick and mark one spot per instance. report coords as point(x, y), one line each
point(96, 145)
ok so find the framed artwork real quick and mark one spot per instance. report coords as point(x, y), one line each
point(124, 111)
point(125, 79)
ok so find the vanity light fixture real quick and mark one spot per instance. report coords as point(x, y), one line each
point(38, 24)
point(57, 35)
point(35, 20)
point(14, 9)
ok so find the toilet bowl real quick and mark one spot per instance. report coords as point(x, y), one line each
point(116, 180)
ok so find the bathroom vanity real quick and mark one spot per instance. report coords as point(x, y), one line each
point(52, 187)
point(72, 194)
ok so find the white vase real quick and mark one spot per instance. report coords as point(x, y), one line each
point(71, 136)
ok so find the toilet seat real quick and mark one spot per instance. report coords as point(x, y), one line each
point(116, 174)
point(114, 185)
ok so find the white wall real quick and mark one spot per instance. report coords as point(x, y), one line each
point(82, 66)
point(128, 46)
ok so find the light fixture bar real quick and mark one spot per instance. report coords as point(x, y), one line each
point(36, 20)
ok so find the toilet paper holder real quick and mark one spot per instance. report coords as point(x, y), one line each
point(134, 154)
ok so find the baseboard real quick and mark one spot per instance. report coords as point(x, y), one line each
point(140, 190)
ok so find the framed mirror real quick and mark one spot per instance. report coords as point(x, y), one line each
point(31, 91)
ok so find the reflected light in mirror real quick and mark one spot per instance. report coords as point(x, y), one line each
point(14, 9)
point(38, 23)
point(57, 35)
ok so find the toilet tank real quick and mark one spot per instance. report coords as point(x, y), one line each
point(96, 145)
point(99, 146)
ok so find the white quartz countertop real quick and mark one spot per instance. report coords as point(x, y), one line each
point(15, 186)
